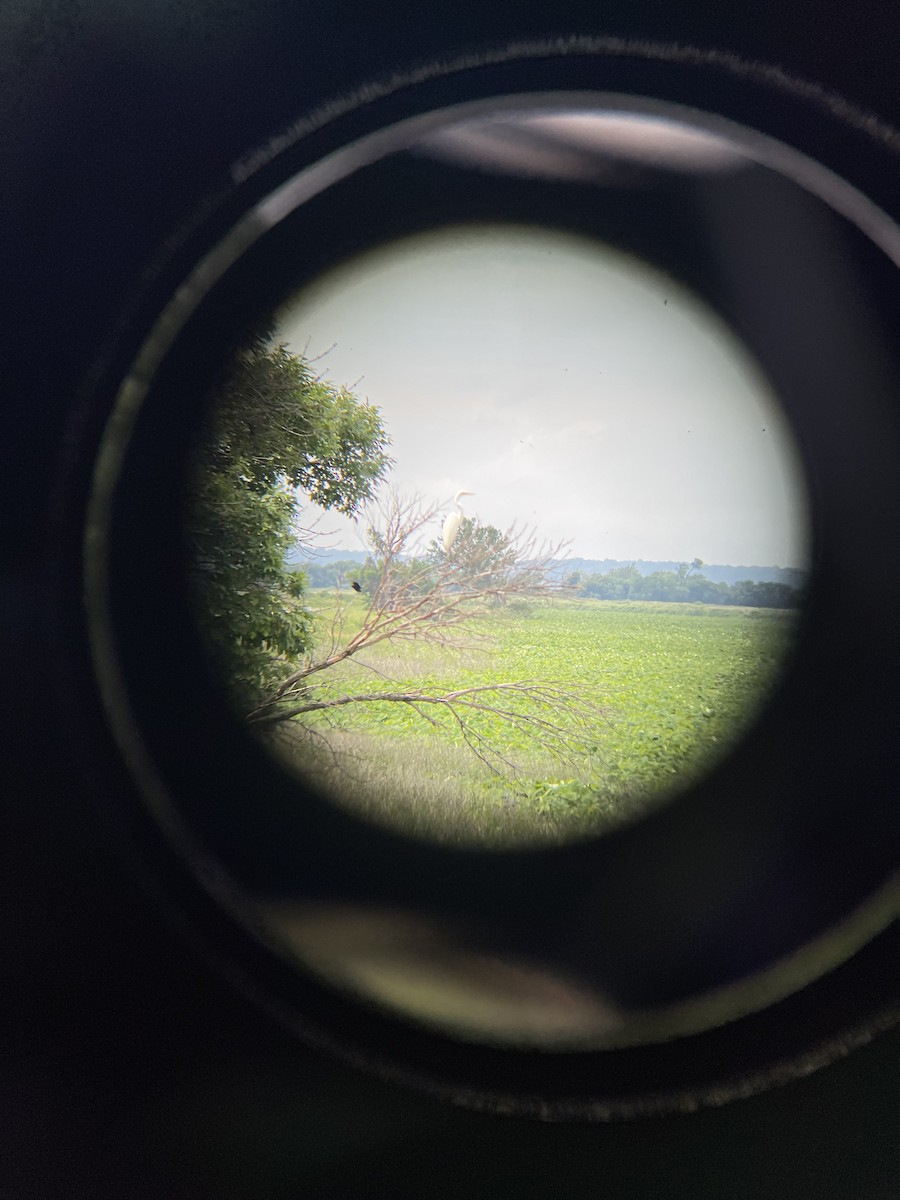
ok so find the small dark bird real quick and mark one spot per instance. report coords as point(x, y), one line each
point(356, 587)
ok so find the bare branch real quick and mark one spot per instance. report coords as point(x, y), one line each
point(550, 713)
point(417, 593)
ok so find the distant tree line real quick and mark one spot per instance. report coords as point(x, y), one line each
point(716, 572)
point(686, 584)
point(329, 574)
point(322, 571)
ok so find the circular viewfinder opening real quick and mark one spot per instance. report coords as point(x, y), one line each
point(503, 535)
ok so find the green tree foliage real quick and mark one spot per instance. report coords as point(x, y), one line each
point(273, 426)
point(478, 549)
point(616, 584)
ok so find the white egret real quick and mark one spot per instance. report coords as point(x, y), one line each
point(453, 521)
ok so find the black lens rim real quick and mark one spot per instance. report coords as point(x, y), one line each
point(636, 1079)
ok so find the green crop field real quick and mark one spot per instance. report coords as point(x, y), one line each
point(675, 684)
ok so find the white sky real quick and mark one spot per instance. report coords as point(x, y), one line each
point(574, 389)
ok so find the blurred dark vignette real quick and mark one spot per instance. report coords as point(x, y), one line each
point(131, 1068)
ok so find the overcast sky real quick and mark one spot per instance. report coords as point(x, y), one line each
point(570, 387)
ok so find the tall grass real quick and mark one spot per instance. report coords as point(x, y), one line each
point(429, 789)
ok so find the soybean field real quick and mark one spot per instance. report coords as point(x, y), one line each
point(674, 686)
